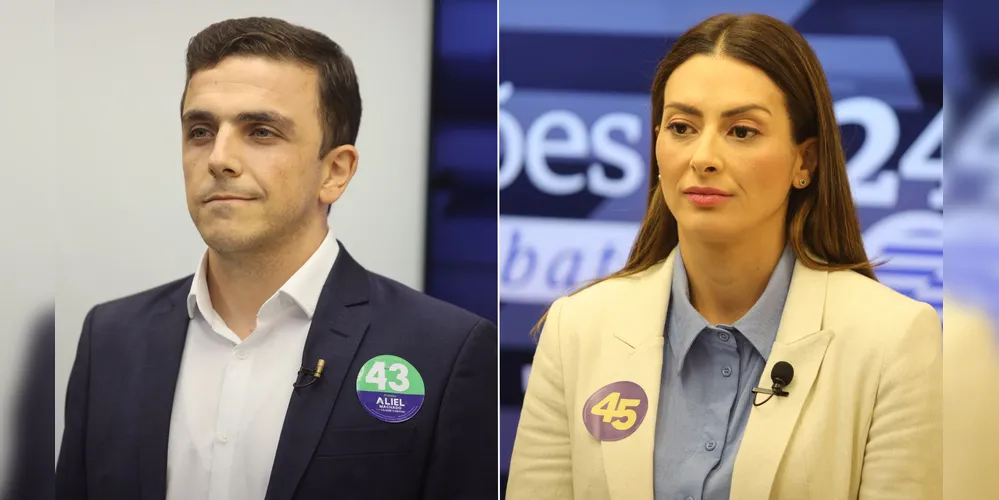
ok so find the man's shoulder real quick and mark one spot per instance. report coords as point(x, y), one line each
point(142, 302)
point(412, 305)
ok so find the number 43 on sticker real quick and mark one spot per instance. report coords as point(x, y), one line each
point(376, 375)
point(617, 411)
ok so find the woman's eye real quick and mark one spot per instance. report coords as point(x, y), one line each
point(679, 128)
point(743, 132)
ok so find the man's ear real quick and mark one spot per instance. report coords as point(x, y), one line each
point(339, 166)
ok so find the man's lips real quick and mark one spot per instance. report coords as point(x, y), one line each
point(227, 198)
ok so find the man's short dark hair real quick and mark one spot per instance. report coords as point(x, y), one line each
point(339, 96)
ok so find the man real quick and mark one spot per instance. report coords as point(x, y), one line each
point(281, 369)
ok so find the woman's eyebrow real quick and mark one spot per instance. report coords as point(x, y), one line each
point(686, 108)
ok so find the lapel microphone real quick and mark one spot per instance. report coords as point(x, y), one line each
point(310, 376)
point(781, 375)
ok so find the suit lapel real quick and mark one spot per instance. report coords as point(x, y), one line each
point(167, 332)
point(635, 353)
point(801, 342)
point(338, 326)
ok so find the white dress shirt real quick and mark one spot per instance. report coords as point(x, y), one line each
point(232, 394)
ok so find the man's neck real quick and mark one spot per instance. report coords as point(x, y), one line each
point(240, 284)
point(727, 279)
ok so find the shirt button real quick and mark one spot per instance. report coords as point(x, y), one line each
point(223, 437)
point(723, 336)
point(241, 354)
point(710, 446)
point(727, 371)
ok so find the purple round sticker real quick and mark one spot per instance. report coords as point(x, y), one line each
point(615, 411)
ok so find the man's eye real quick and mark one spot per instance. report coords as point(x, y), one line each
point(198, 133)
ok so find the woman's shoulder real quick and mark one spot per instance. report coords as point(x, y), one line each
point(873, 325)
point(972, 332)
point(627, 307)
point(604, 293)
point(852, 297)
point(857, 289)
point(609, 303)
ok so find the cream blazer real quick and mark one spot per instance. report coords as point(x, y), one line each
point(863, 418)
point(971, 403)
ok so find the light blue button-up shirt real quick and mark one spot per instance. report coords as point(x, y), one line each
point(709, 372)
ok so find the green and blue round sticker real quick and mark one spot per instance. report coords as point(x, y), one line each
point(390, 388)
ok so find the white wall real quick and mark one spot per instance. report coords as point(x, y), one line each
point(124, 221)
point(27, 177)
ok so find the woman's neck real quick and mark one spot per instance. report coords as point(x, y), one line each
point(727, 279)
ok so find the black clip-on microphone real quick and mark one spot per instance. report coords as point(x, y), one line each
point(312, 375)
point(781, 375)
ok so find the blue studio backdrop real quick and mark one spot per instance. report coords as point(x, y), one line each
point(971, 73)
point(461, 197)
point(574, 115)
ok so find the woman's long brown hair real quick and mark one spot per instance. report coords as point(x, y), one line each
point(821, 221)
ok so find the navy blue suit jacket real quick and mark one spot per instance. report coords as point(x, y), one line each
point(121, 391)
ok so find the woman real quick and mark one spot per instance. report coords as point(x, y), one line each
point(750, 254)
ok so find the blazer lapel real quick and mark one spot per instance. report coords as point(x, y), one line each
point(167, 332)
point(635, 354)
point(801, 342)
point(338, 326)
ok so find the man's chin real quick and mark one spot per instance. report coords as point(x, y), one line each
point(231, 241)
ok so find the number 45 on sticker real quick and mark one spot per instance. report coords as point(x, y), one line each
point(617, 411)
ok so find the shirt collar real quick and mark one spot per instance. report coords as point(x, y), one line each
point(759, 325)
point(302, 289)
